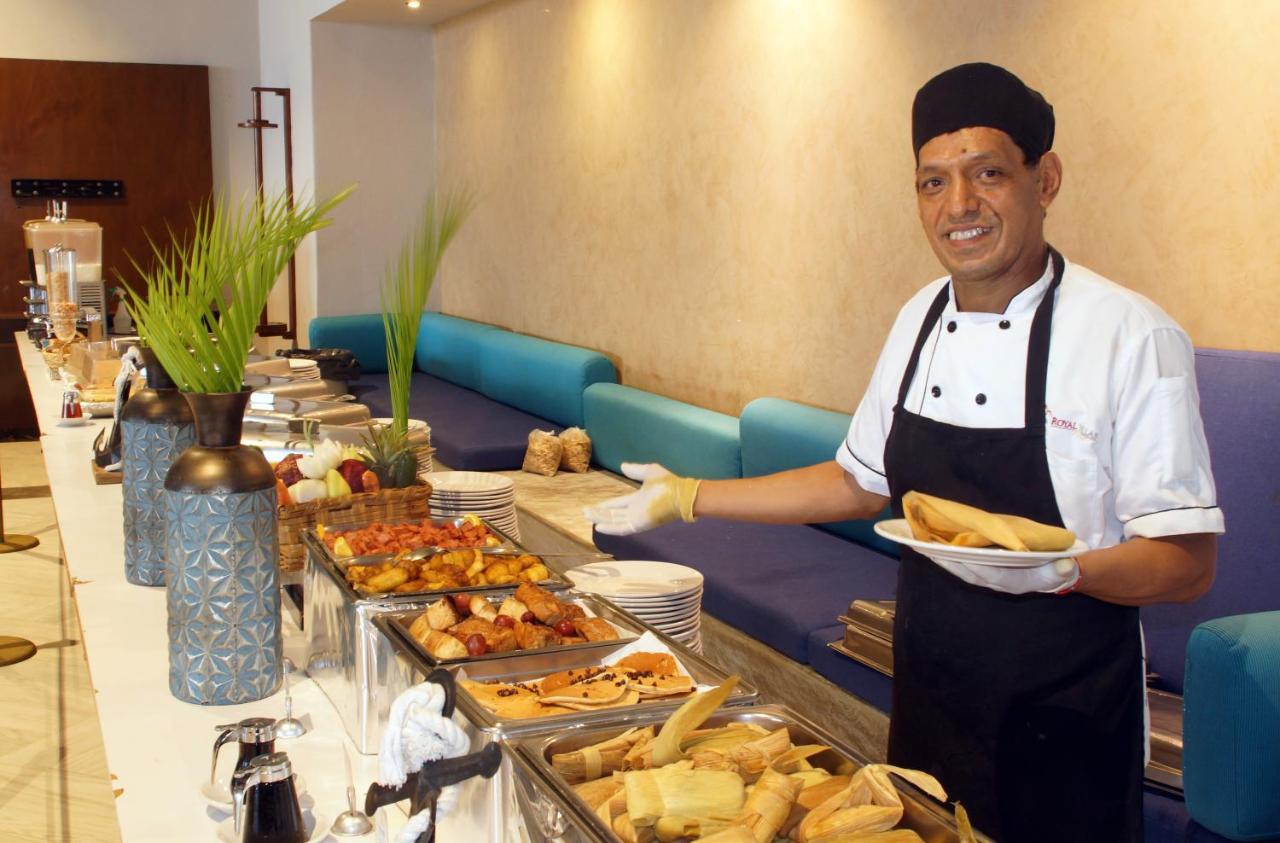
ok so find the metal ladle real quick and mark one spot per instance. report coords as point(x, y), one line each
point(351, 822)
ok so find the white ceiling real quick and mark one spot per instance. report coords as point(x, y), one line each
point(395, 13)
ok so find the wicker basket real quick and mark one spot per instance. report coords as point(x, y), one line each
point(411, 503)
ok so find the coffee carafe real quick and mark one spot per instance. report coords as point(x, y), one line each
point(265, 802)
point(257, 736)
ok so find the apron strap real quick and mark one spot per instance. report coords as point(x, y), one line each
point(930, 319)
point(1037, 370)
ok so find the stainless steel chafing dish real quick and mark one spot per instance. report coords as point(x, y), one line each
point(551, 810)
point(527, 665)
point(346, 654)
point(495, 807)
point(396, 625)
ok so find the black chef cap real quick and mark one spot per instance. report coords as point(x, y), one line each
point(982, 94)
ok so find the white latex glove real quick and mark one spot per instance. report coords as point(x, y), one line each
point(417, 733)
point(662, 498)
point(1060, 575)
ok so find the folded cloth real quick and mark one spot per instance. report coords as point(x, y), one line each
point(947, 522)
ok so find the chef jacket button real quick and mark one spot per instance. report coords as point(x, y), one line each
point(980, 398)
point(936, 392)
point(951, 327)
point(1004, 324)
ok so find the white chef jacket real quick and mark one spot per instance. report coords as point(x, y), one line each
point(1126, 447)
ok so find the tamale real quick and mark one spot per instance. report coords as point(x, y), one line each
point(670, 829)
point(722, 739)
point(689, 716)
point(623, 827)
point(679, 790)
point(732, 834)
point(813, 793)
point(812, 778)
point(592, 762)
point(769, 804)
point(899, 835)
point(868, 803)
point(641, 752)
point(754, 756)
point(597, 792)
point(710, 759)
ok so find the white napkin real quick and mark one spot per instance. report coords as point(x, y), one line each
point(417, 733)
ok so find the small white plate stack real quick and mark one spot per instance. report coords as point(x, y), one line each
point(664, 595)
point(490, 496)
point(303, 369)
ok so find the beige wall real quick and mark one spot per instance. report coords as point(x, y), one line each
point(374, 125)
point(719, 193)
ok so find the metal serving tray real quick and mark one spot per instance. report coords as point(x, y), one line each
point(319, 556)
point(396, 626)
point(535, 664)
point(347, 656)
point(553, 811)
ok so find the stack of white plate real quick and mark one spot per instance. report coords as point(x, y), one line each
point(303, 369)
point(490, 496)
point(664, 595)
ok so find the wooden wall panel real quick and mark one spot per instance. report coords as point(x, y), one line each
point(147, 124)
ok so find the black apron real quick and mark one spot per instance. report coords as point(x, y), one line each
point(1028, 708)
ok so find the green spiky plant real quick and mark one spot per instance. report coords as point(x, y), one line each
point(204, 294)
point(405, 290)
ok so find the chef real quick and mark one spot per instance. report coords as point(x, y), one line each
point(1020, 383)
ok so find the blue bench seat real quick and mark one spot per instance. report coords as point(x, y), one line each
point(469, 431)
point(775, 583)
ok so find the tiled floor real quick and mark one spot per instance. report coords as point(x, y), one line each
point(54, 784)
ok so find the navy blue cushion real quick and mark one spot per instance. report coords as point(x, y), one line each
point(1166, 821)
point(1240, 403)
point(863, 682)
point(775, 583)
point(469, 431)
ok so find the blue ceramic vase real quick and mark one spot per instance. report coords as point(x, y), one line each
point(221, 555)
point(156, 426)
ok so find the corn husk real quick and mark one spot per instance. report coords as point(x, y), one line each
point(626, 830)
point(869, 803)
point(813, 793)
point(640, 756)
point(755, 756)
point(596, 793)
point(963, 826)
point(899, 835)
point(592, 762)
point(769, 804)
point(678, 790)
point(723, 739)
point(672, 828)
point(813, 777)
point(797, 758)
point(732, 834)
point(686, 718)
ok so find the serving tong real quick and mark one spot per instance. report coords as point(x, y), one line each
point(423, 788)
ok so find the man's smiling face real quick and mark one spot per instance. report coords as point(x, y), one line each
point(981, 206)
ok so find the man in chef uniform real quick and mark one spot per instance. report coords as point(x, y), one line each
point(1023, 384)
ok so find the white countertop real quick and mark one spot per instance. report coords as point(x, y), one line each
point(157, 746)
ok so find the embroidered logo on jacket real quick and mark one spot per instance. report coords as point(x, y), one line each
point(1066, 424)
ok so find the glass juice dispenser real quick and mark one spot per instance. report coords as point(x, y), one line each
point(82, 237)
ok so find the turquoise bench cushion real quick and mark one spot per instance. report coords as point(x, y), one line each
point(450, 348)
point(631, 425)
point(541, 377)
point(1231, 726)
point(361, 333)
point(778, 435)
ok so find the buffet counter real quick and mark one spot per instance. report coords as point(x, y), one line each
point(156, 746)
